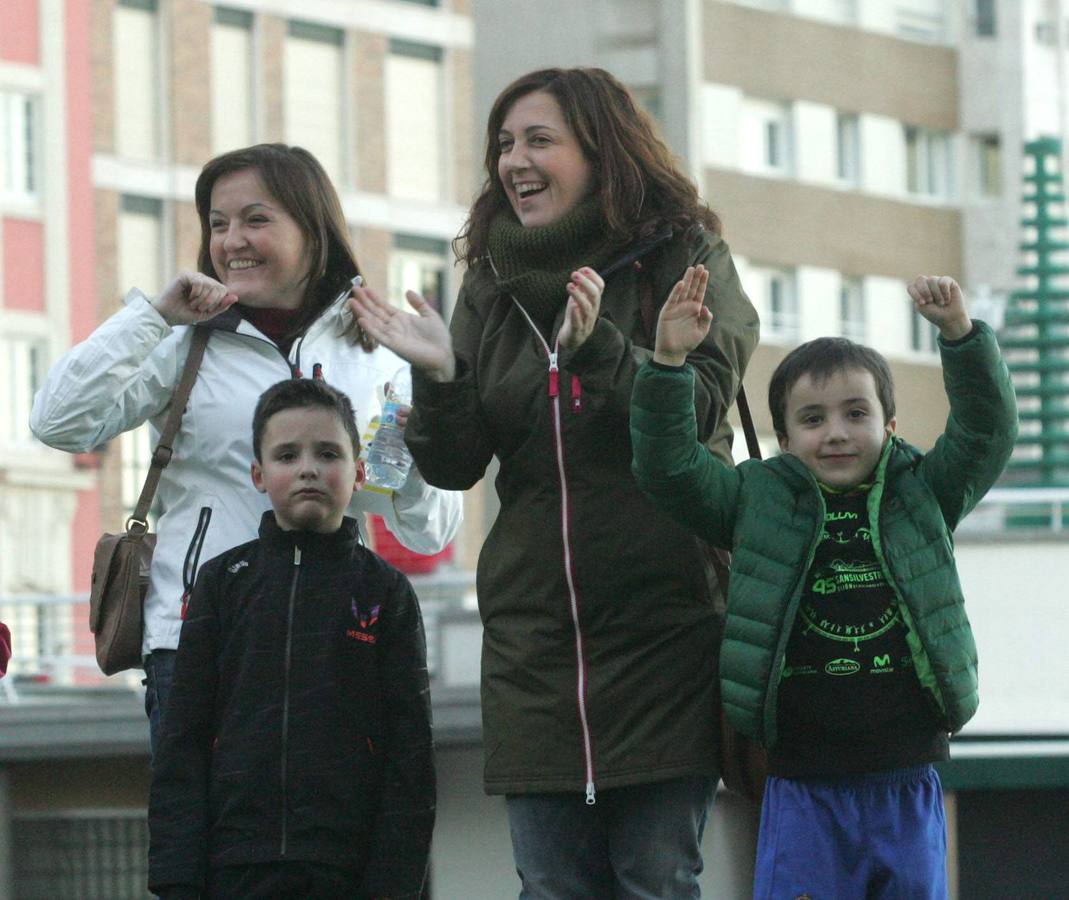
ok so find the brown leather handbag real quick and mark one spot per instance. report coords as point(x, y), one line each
point(121, 562)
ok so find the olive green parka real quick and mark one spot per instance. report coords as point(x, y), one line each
point(600, 630)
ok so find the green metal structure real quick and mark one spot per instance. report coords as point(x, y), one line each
point(1035, 333)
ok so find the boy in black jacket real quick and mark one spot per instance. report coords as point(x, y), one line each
point(296, 756)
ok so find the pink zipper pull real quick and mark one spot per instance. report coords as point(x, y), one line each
point(554, 376)
point(577, 395)
point(185, 604)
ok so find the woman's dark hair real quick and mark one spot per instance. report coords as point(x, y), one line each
point(820, 359)
point(636, 178)
point(296, 180)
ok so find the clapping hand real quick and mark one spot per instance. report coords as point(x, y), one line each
point(941, 301)
point(422, 339)
point(193, 297)
point(581, 314)
point(684, 319)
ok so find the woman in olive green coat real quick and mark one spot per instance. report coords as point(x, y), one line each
point(600, 614)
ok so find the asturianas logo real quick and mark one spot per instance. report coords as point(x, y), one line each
point(842, 667)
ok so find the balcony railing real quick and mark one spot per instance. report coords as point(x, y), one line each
point(53, 655)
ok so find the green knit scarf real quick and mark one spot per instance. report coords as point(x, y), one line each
point(535, 264)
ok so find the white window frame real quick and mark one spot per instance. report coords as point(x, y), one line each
point(397, 180)
point(24, 359)
point(778, 289)
point(921, 20)
point(848, 148)
point(923, 335)
point(987, 156)
point(229, 23)
point(929, 159)
point(768, 137)
point(853, 320)
point(416, 262)
point(299, 31)
point(20, 145)
point(145, 80)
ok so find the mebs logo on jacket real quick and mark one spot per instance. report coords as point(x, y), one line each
point(363, 623)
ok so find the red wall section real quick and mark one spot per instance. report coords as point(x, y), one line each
point(24, 265)
point(20, 32)
point(80, 233)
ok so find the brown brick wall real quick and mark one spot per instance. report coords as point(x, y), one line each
point(369, 101)
point(190, 81)
point(186, 235)
point(106, 219)
point(102, 90)
point(788, 223)
point(372, 246)
point(778, 56)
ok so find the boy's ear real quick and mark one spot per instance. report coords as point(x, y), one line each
point(257, 473)
point(889, 428)
point(784, 441)
point(361, 475)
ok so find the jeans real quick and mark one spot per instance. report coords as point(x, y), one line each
point(640, 842)
point(159, 675)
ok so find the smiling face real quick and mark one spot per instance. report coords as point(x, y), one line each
point(307, 469)
point(836, 426)
point(257, 249)
point(542, 167)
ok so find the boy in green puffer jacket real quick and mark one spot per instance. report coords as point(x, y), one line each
point(846, 652)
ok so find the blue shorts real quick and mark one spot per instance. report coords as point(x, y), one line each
point(881, 835)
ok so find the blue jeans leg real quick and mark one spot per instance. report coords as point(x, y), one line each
point(159, 675)
point(641, 842)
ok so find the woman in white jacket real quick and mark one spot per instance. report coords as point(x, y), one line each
point(275, 268)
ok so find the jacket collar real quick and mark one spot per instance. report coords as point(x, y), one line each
point(337, 544)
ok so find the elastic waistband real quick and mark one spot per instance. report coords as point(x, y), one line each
point(907, 775)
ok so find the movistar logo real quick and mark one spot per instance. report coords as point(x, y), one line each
point(842, 667)
point(881, 662)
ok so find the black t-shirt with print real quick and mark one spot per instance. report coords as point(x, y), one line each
point(849, 698)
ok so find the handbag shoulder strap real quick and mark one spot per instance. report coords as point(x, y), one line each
point(161, 456)
point(748, 429)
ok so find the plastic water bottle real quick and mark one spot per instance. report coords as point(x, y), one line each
point(388, 459)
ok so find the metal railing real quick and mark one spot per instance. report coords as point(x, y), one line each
point(53, 649)
point(1011, 510)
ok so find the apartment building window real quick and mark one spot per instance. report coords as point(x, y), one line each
point(923, 337)
point(921, 20)
point(137, 78)
point(775, 290)
point(927, 162)
point(418, 264)
point(988, 154)
point(312, 92)
point(18, 146)
point(140, 252)
point(414, 134)
point(22, 364)
point(852, 309)
point(767, 138)
point(232, 74)
point(424, 2)
point(984, 18)
point(848, 148)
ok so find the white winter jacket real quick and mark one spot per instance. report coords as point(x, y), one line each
point(125, 373)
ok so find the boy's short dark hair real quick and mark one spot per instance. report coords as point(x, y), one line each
point(820, 359)
point(301, 393)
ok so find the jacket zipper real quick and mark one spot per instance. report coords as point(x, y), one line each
point(286, 690)
point(191, 564)
point(569, 574)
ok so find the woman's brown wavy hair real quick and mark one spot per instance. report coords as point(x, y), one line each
point(636, 177)
point(296, 180)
